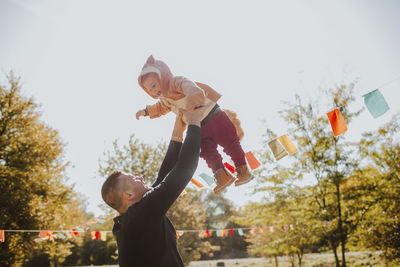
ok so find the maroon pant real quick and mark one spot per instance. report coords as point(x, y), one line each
point(219, 130)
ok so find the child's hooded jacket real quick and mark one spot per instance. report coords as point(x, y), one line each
point(177, 92)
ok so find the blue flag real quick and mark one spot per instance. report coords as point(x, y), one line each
point(208, 179)
point(376, 103)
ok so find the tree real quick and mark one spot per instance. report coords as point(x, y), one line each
point(32, 176)
point(381, 152)
point(330, 161)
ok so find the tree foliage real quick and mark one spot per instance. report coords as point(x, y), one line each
point(32, 176)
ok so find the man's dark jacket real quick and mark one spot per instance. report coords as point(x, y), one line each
point(145, 236)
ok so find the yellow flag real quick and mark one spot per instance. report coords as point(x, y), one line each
point(287, 143)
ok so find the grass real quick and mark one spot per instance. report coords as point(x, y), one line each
point(355, 259)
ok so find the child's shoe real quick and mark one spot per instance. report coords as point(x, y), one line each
point(223, 179)
point(243, 175)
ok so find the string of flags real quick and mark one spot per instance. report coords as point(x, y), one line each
point(374, 101)
point(52, 235)
point(282, 146)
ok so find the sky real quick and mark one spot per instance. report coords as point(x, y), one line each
point(80, 60)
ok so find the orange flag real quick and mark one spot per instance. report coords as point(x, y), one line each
point(93, 235)
point(196, 183)
point(2, 236)
point(337, 122)
point(252, 161)
point(287, 143)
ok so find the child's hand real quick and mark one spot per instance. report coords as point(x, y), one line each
point(140, 113)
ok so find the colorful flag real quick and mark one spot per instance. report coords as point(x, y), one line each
point(196, 183)
point(177, 235)
point(101, 221)
point(231, 232)
point(61, 235)
point(218, 233)
point(337, 122)
point(181, 232)
point(260, 230)
point(208, 179)
point(79, 229)
point(229, 167)
point(2, 236)
point(97, 235)
point(287, 143)
point(271, 229)
point(240, 232)
point(224, 232)
point(376, 103)
point(277, 149)
point(93, 235)
point(74, 232)
point(252, 161)
point(253, 231)
point(208, 233)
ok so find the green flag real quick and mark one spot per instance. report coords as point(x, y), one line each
point(376, 103)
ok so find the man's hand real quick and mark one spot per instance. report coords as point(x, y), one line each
point(194, 117)
point(140, 113)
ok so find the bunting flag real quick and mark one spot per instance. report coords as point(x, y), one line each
point(291, 227)
point(2, 236)
point(224, 232)
point(260, 230)
point(181, 232)
point(177, 235)
point(79, 229)
point(337, 122)
point(229, 167)
point(240, 232)
point(218, 233)
point(206, 178)
point(252, 161)
point(196, 183)
point(287, 143)
point(376, 103)
point(271, 229)
point(277, 149)
point(74, 232)
point(103, 236)
point(101, 221)
point(97, 235)
point(61, 235)
point(253, 231)
point(208, 233)
point(93, 235)
point(45, 234)
point(231, 232)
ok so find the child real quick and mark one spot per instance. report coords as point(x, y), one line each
point(177, 92)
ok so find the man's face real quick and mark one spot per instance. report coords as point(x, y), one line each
point(152, 84)
point(134, 185)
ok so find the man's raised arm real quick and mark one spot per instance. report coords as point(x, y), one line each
point(169, 189)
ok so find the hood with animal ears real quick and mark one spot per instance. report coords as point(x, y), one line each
point(161, 69)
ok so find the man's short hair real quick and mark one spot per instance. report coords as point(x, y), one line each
point(110, 191)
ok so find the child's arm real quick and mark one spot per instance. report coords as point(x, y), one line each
point(154, 111)
point(195, 95)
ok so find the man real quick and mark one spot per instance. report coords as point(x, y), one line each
point(145, 236)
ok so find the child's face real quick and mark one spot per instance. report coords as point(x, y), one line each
point(152, 84)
